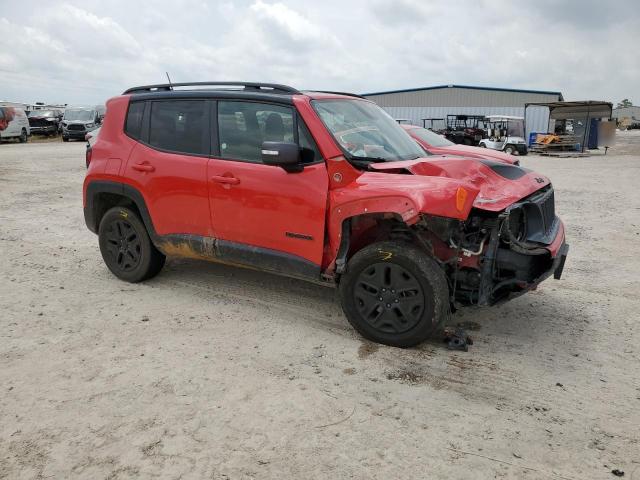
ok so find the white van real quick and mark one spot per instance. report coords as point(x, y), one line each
point(14, 124)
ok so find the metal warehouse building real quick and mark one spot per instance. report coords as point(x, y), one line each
point(437, 102)
point(632, 113)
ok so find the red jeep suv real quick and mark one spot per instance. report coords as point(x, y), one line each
point(320, 186)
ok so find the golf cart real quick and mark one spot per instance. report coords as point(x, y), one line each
point(505, 133)
point(465, 129)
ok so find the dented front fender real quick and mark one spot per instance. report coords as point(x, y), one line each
point(401, 195)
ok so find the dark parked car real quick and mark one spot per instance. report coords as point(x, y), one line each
point(45, 121)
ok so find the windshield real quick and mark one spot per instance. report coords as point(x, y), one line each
point(41, 113)
point(81, 115)
point(430, 138)
point(366, 132)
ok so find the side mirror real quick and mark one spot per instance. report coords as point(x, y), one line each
point(281, 154)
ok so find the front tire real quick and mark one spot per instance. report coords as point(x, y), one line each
point(126, 247)
point(509, 150)
point(23, 136)
point(65, 139)
point(394, 293)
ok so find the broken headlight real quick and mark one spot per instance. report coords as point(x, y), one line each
point(516, 223)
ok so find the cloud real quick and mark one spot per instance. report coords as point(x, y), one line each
point(86, 34)
point(402, 12)
point(86, 51)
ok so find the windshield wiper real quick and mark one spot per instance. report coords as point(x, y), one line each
point(358, 158)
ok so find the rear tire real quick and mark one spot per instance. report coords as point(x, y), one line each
point(394, 293)
point(482, 145)
point(23, 136)
point(65, 139)
point(126, 247)
point(509, 149)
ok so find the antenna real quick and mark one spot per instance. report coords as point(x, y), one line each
point(168, 78)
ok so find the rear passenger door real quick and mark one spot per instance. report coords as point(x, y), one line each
point(169, 164)
point(261, 214)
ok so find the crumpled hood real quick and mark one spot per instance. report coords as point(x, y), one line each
point(499, 184)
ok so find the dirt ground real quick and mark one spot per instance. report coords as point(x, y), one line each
point(208, 371)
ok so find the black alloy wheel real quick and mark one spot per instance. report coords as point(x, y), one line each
point(389, 297)
point(123, 244)
point(394, 293)
point(126, 247)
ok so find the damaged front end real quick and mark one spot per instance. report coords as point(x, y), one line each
point(495, 256)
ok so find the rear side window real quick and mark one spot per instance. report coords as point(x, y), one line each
point(133, 125)
point(243, 126)
point(178, 126)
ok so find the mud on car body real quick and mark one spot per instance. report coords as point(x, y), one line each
point(321, 186)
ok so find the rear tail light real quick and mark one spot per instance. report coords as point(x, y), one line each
point(88, 155)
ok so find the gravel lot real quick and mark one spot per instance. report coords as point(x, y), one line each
point(208, 371)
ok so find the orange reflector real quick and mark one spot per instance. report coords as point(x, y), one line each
point(461, 198)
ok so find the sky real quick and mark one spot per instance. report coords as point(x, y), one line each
point(84, 52)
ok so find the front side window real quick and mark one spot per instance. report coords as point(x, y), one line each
point(365, 132)
point(243, 126)
point(178, 126)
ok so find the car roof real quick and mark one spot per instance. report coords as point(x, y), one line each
point(230, 90)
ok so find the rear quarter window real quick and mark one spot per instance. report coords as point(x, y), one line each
point(133, 124)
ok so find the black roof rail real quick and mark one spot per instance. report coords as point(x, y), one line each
point(338, 93)
point(247, 86)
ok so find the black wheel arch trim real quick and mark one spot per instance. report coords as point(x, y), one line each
point(95, 187)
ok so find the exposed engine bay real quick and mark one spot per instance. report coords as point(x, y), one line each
point(494, 256)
